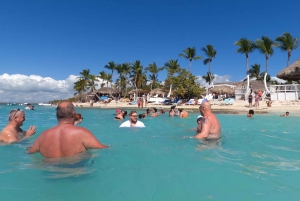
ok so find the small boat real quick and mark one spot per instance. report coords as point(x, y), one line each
point(45, 104)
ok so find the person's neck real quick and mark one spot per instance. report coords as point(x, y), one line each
point(66, 122)
point(133, 122)
point(14, 125)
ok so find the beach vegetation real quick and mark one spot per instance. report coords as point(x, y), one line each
point(190, 54)
point(265, 46)
point(138, 75)
point(154, 70)
point(210, 52)
point(172, 66)
point(184, 84)
point(245, 47)
point(208, 77)
point(254, 71)
point(287, 43)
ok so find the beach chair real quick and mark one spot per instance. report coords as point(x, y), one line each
point(224, 102)
point(132, 102)
point(191, 102)
point(230, 102)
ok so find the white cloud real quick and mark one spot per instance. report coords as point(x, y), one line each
point(217, 79)
point(34, 88)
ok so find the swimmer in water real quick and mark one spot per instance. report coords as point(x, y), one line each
point(65, 139)
point(133, 122)
point(285, 115)
point(13, 133)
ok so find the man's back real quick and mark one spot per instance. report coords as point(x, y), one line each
point(65, 140)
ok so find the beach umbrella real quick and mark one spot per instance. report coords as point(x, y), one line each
point(291, 73)
point(138, 91)
point(106, 90)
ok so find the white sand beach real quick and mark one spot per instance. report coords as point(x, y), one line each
point(239, 106)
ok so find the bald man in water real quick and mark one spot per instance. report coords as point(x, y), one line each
point(211, 127)
point(65, 139)
point(13, 133)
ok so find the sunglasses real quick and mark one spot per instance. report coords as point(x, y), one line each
point(134, 115)
point(16, 113)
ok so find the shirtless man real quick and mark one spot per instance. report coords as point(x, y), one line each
point(285, 115)
point(13, 133)
point(183, 114)
point(211, 127)
point(154, 112)
point(65, 139)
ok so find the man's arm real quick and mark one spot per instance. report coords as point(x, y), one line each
point(34, 148)
point(206, 125)
point(90, 141)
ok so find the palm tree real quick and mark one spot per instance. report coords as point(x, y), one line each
point(254, 71)
point(190, 53)
point(138, 74)
point(91, 83)
point(208, 77)
point(126, 71)
point(265, 46)
point(120, 71)
point(286, 42)
point(80, 87)
point(211, 53)
point(85, 74)
point(103, 75)
point(245, 47)
point(152, 68)
point(111, 66)
point(172, 67)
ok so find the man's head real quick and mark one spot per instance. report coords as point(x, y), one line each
point(287, 113)
point(180, 110)
point(17, 116)
point(199, 119)
point(65, 111)
point(154, 110)
point(162, 111)
point(251, 112)
point(204, 108)
point(133, 116)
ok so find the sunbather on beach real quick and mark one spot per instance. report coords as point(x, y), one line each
point(13, 132)
point(65, 139)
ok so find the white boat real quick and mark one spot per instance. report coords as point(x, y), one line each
point(45, 104)
point(156, 100)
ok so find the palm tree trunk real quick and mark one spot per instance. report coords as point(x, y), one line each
point(247, 68)
point(190, 66)
point(266, 65)
point(209, 66)
point(288, 61)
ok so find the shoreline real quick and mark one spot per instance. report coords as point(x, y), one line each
point(239, 107)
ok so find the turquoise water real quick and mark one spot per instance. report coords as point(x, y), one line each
point(256, 159)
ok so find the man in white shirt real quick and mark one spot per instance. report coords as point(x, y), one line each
point(133, 122)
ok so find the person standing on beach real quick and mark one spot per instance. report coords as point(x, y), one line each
point(65, 139)
point(13, 133)
point(210, 127)
point(250, 97)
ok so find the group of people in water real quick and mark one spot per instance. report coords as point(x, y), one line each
point(66, 139)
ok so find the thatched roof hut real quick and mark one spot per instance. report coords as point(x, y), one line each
point(106, 90)
point(256, 86)
point(291, 73)
point(138, 91)
point(158, 91)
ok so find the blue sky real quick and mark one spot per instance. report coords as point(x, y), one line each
point(57, 39)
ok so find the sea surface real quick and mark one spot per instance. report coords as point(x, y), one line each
point(256, 159)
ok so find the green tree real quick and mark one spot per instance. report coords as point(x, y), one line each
point(210, 52)
point(138, 75)
point(184, 84)
point(152, 68)
point(91, 84)
point(111, 66)
point(190, 54)
point(262, 77)
point(288, 43)
point(208, 77)
point(254, 71)
point(104, 76)
point(172, 67)
point(126, 71)
point(265, 46)
point(80, 88)
point(245, 47)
